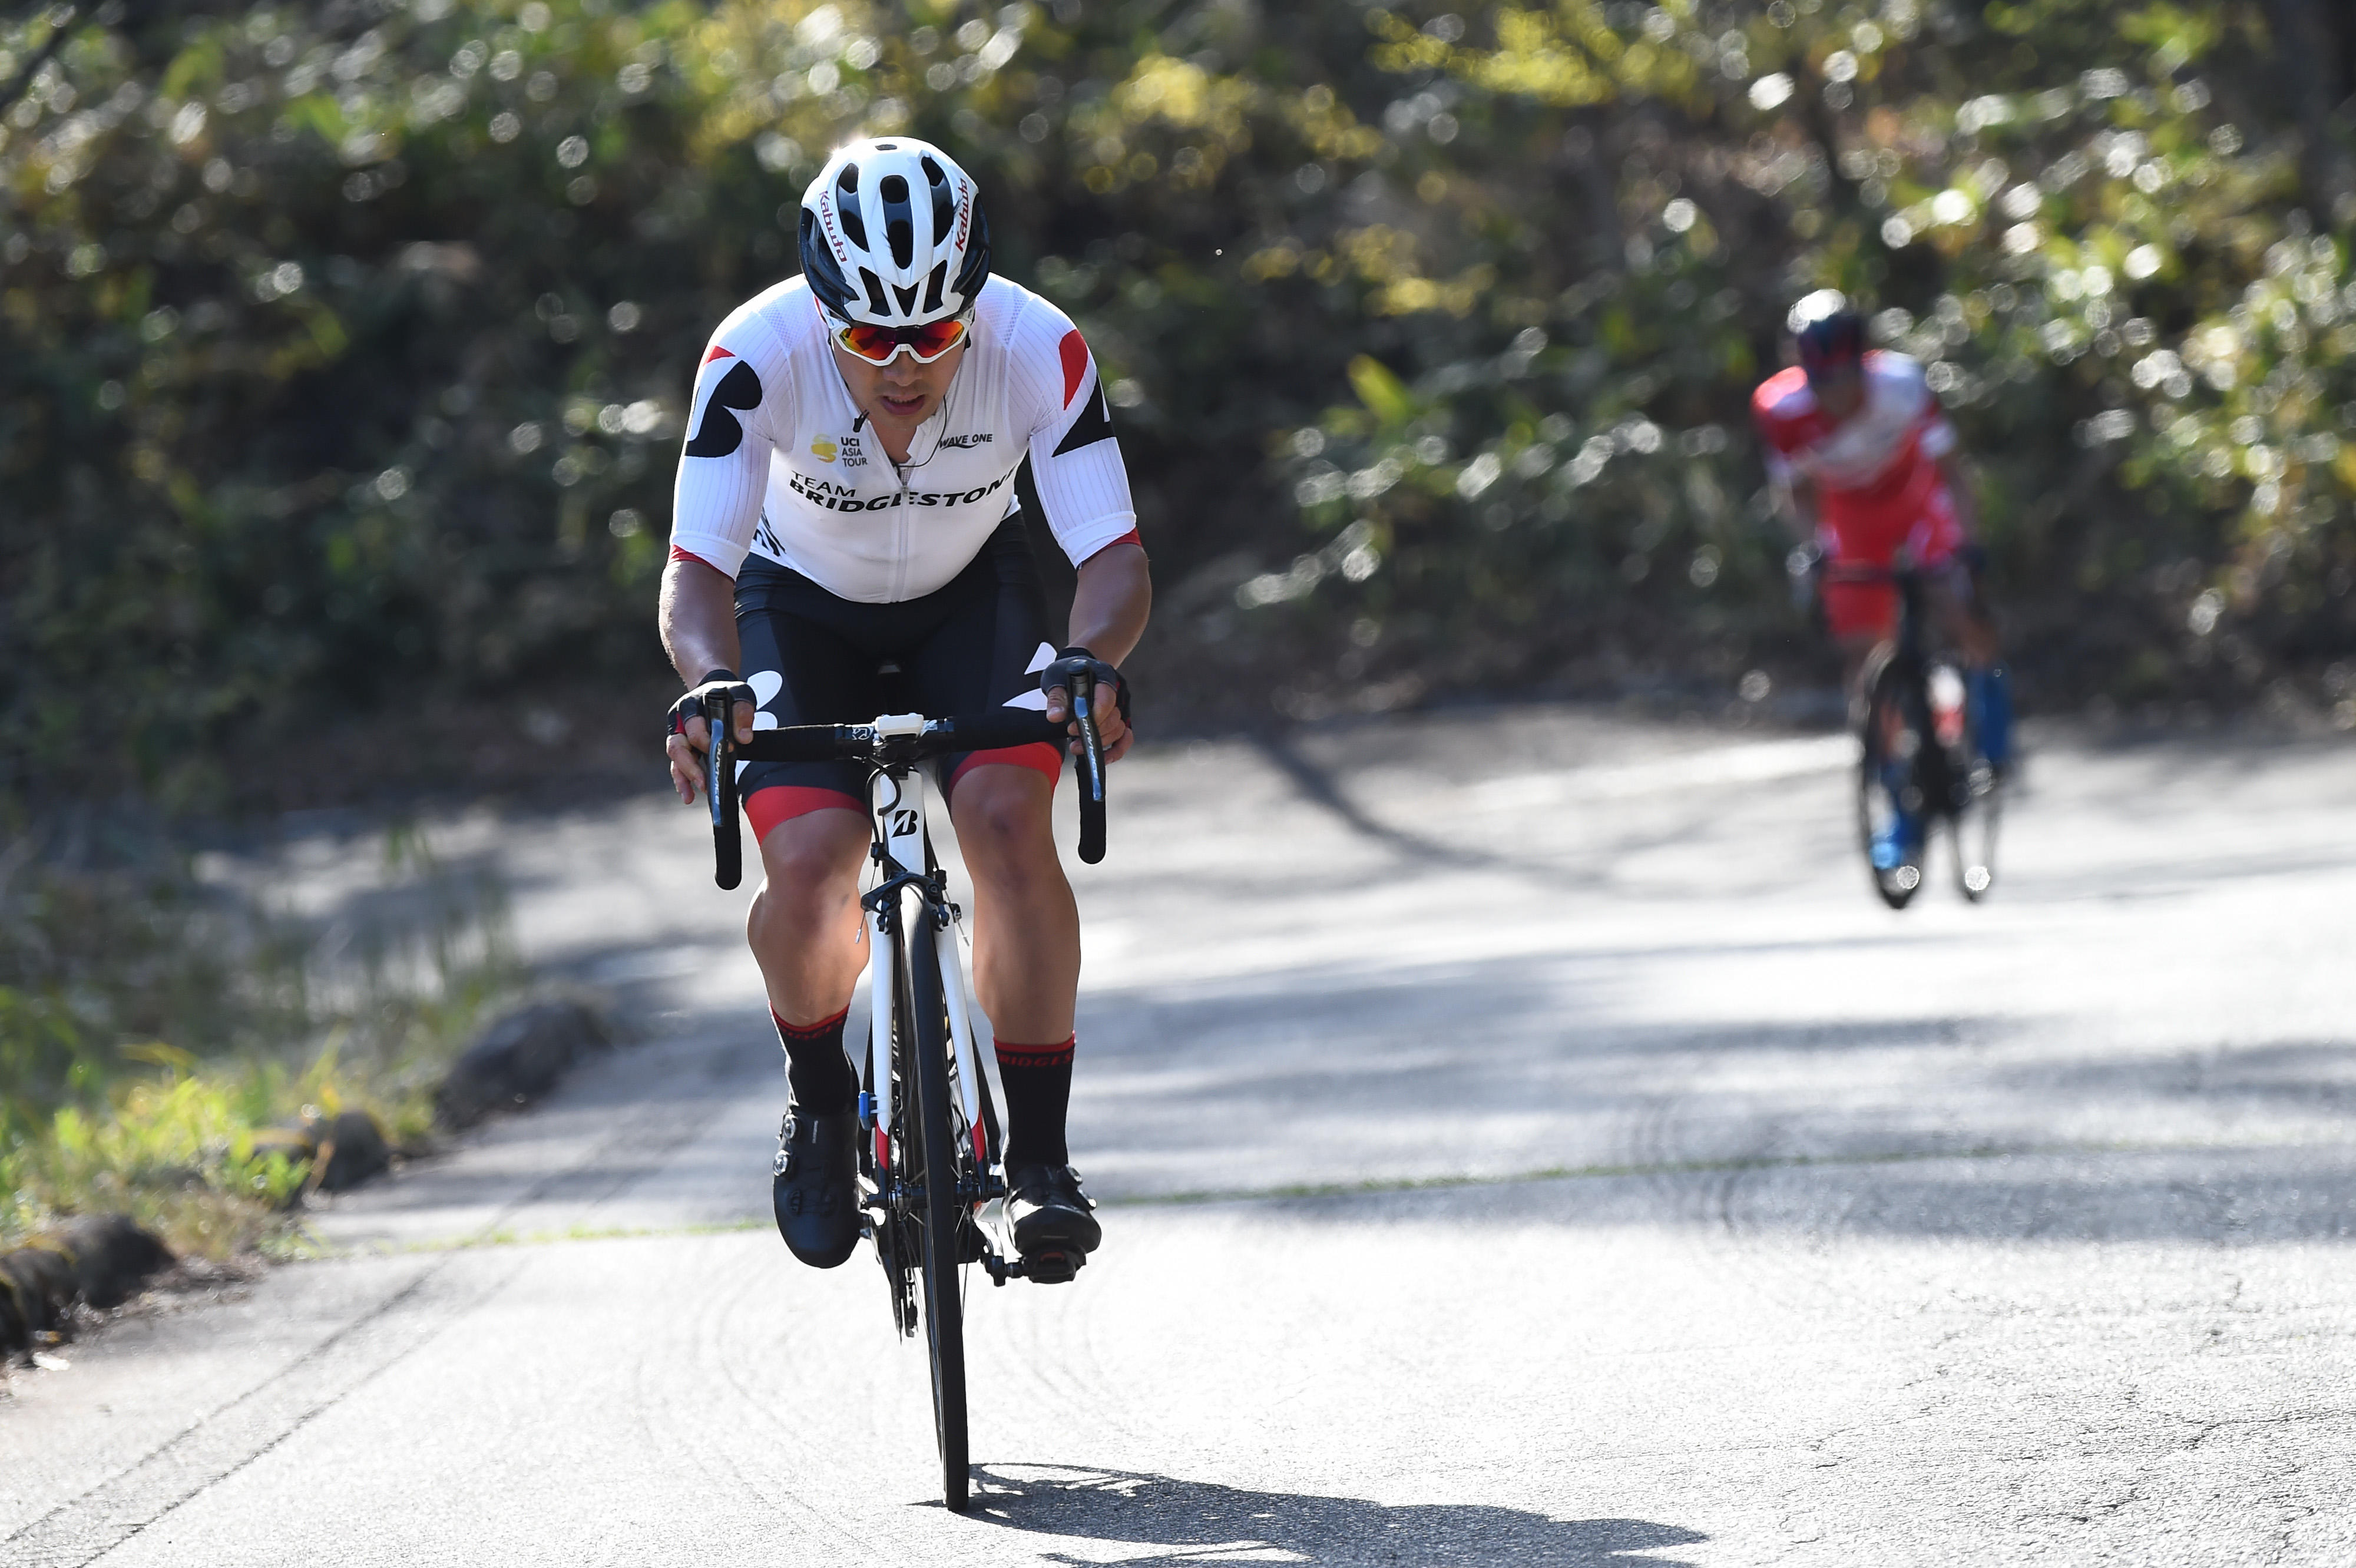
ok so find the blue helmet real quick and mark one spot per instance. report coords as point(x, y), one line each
point(1830, 335)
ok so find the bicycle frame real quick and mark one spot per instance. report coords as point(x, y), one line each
point(930, 1227)
point(901, 846)
point(1947, 780)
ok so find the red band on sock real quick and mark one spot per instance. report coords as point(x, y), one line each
point(819, 1030)
point(1059, 1054)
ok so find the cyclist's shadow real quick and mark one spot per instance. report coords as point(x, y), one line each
point(1195, 1522)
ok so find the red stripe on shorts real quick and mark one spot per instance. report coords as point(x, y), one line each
point(783, 803)
point(1038, 755)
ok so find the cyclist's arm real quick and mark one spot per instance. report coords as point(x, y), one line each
point(698, 620)
point(1957, 476)
point(1109, 609)
point(724, 470)
point(1083, 489)
point(1796, 500)
point(1114, 597)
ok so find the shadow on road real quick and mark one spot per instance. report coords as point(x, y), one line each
point(1196, 1521)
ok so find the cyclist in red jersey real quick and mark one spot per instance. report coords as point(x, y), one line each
point(1864, 463)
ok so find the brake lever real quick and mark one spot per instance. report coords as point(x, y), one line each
point(720, 792)
point(1092, 769)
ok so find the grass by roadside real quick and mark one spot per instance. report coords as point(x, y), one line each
point(157, 1032)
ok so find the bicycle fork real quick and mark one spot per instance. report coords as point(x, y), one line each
point(900, 831)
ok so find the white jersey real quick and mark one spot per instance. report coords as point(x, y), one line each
point(781, 464)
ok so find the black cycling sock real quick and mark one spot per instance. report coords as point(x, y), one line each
point(1038, 1082)
point(815, 1068)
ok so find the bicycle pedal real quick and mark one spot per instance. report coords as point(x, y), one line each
point(1052, 1268)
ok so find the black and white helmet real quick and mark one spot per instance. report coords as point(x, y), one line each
point(891, 234)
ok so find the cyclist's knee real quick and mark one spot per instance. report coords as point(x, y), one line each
point(1004, 815)
point(806, 854)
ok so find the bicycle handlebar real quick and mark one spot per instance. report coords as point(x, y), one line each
point(988, 730)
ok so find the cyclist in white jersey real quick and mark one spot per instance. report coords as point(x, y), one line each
point(845, 533)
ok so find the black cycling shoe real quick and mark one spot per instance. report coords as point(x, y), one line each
point(816, 1193)
point(1052, 1228)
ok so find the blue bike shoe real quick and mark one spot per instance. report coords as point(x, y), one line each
point(1896, 844)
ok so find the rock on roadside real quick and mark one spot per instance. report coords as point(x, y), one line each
point(98, 1260)
point(344, 1149)
point(519, 1058)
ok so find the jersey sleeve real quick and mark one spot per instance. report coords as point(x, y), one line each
point(724, 470)
point(1935, 436)
point(1932, 435)
point(1776, 436)
point(1075, 460)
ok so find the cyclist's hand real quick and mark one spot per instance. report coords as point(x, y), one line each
point(688, 739)
point(1112, 718)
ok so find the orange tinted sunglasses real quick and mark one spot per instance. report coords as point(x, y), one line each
point(882, 345)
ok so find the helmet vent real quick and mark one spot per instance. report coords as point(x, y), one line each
point(899, 227)
point(854, 228)
point(933, 287)
point(944, 211)
point(874, 286)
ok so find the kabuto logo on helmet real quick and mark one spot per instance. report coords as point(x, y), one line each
point(904, 240)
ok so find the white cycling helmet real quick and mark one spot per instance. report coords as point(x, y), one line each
point(891, 234)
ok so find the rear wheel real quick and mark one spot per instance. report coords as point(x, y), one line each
point(1888, 775)
point(1979, 809)
point(942, 1218)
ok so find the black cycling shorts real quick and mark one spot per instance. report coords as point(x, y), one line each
point(814, 658)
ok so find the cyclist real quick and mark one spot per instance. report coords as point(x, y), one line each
point(845, 515)
point(1862, 463)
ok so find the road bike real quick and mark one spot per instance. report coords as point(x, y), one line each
point(932, 1182)
point(1920, 747)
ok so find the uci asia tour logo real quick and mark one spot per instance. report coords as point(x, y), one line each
point(826, 449)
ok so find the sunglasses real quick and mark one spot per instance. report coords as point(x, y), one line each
point(882, 345)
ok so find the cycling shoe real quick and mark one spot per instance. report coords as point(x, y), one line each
point(816, 1189)
point(1052, 1228)
point(1898, 844)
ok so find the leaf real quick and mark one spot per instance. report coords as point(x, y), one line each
point(1385, 395)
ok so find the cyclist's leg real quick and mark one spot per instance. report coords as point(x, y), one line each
point(806, 665)
point(1862, 618)
point(1026, 961)
point(812, 822)
point(804, 924)
point(1026, 924)
point(1026, 944)
point(1960, 605)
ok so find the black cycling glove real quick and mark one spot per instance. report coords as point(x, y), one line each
point(715, 683)
point(1076, 659)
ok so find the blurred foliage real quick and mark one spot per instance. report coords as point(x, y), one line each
point(343, 348)
point(2109, 230)
point(155, 1025)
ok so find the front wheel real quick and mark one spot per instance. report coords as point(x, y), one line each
point(1890, 807)
point(941, 1244)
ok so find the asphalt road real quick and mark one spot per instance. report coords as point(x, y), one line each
point(1525, 1140)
